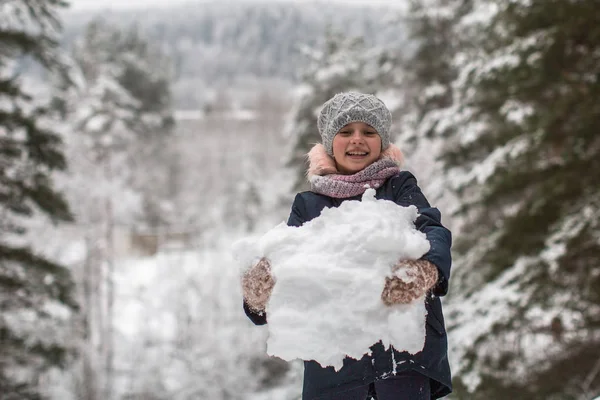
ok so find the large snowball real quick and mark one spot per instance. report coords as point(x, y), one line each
point(329, 274)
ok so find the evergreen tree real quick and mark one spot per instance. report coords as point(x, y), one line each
point(525, 292)
point(124, 107)
point(341, 64)
point(430, 69)
point(430, 72)
point(36, 294)
point(119, 126)
point(146, 76)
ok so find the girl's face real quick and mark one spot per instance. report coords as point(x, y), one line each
point(356, 146)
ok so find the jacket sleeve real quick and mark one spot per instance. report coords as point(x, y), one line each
point(295, 219)
point(407, 193)
point(255, 317)
point(298, 213)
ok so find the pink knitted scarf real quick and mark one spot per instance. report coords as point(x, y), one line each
point(326, 180)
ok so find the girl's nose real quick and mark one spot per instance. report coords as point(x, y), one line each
point(356, 137)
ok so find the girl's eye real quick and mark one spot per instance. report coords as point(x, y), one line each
point(344, 133)
point(370, 133)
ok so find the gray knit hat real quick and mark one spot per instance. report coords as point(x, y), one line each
point(345, 108)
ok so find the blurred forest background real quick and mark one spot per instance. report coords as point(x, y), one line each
point(137, 146)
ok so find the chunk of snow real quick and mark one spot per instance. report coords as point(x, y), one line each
point(330, 272)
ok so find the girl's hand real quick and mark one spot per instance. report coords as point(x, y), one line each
point(257, 285)
point(411, 279)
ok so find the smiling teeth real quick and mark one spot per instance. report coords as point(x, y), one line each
point(353, 153)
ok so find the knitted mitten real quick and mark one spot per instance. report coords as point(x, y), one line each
point(411, 279)
point(257, 285)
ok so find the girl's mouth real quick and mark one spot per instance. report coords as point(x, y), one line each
point(357, 154)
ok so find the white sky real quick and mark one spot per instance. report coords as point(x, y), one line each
point(122, 4)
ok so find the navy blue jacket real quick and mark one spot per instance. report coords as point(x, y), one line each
point(433, 360)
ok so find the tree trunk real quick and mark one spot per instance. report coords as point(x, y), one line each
point(110, 296)
point(89, 387)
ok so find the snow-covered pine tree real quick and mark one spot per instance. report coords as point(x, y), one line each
point(36, 294)
point(523, 312)
point(430, 71)
point(146, 75)
point(429, 68)
point(341, 63)
point(119, 120)
point(129, 79)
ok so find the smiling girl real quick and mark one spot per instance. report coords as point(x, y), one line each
point(356, 154)
point(357, 145)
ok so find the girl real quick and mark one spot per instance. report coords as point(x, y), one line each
point(356, 153)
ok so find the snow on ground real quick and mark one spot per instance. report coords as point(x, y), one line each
point(179, 320)
point(329, 276)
